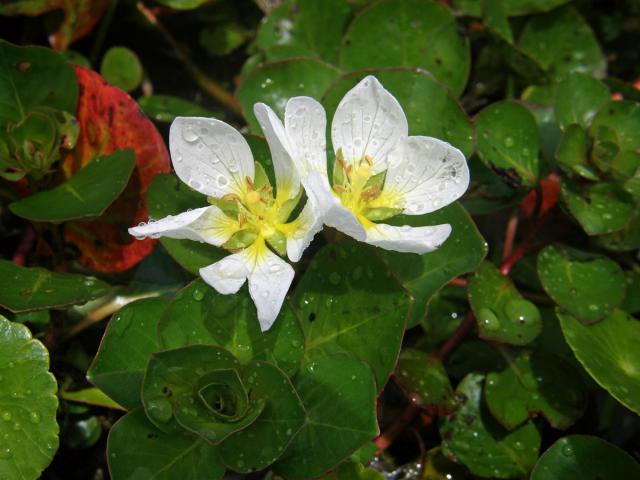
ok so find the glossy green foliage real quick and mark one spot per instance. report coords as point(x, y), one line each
point(481, 443)
point(164, 108)
point(508, 142)
point(28, 404)
point(502, 313)
point(586, 285)
point(25, 289)
point(87, 194)
point(528, 386)
point(579, 457)
point(607, 351)
point(121, 67)
point(417, 34)
point(348, 302)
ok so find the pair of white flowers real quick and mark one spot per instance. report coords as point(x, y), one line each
point(379, 171)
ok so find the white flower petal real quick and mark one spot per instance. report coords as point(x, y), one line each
point(332, 211)
point(408, 239)
point(210, 156)
point(305, 122)
point(303, 229)
point(287, 179)
point(268, 285)
point(228, 274)
point(368, 121)
point(427, 174)
point(206, 224)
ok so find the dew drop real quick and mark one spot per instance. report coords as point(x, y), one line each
point(160, 409)
point(6, 416)
point(189, 135)
point(488, 320)
point(34, 417)
point(198, 295)
point(508, 142)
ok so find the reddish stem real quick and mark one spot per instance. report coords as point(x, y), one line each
point(386, 438)
point(459, 282)
point(24, 247)
point(457, 337)
point(510, 235)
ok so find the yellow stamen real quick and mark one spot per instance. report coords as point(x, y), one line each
point(253, 197)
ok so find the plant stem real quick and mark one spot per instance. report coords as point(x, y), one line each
point(204, 82)
point(384, 440)
point(24, 247)
point(457, 337)
point(510, 235)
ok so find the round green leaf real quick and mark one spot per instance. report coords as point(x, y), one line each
point(502, 313)
point(262, 442)
point(480, 443)
point(579, 97)
point(587, 286)
point(608, 351)
point(130, 338)
point(87, 194)
point(625, 239)
point(599, 208)
point(34, 77)
point(167, 195)
point(304, 28)
point(562, 42)
point(199, 314)
point(137, 449)
point(624, 119)
point(425, 380)
point(173, 398)
point(349, 303)
point(28, 404)
point(535, 383)
point(121, 67)
point(429, 107)
point(583, 457)
point(424, 275)
point(572, 152)
point(25, 289)
point(275, 83)
point(182, 4)
point(165, 108)
point(339, 395)
point(508, 142)
point(416, 34)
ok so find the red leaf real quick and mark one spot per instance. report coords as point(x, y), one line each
point(111, 120)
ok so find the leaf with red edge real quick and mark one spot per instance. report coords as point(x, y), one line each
point(111, 120)
point(80, 16)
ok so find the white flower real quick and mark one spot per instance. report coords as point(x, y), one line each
point(380, 171)
point(245, 217)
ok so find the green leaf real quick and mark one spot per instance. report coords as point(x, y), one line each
point(121, 67)
point(349, 303)
point(305, 28)
point(424, 275)
point(562, 43)
point(474, 356)
point(82, 433)
point(222, 39)
point(502, 313)
point(87, 194)
point(529, 385)
point(137, 449)
point(165, 108)
point(425, 380)
point(508, 142)
point(32, 77)
point(167, 195)
point(578, 99)
point(625, 239)
point(599, 208)
point(25, 289)
point(199, 314)
point(631, 301)
point(588, 286)
point(275, 82)
point(262, 442)
point(173, 399)
point(495, 18)
point(511, 7)
point(430, 109)
point(182, 4)
point(572, 152)
point(339, 394)
point(480, 443)
point(28, 404)
point(624, 119)
point(130, 338)
point(416, 34)
point(608, 351)
point(91, 396)
point(582, 457)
